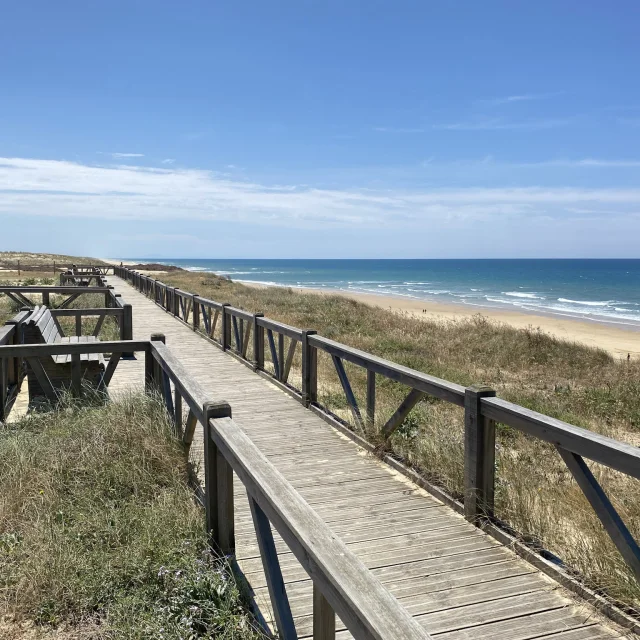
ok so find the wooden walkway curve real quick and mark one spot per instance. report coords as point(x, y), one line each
point(459, 582)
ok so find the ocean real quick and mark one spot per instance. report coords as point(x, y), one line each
point(598, 290)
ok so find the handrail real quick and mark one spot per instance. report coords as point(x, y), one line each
point(64, 348)
point(280, 327)
point(52, 289)
point(366, 608)
point(481, 411)
point(437, 387)
point(607, 451)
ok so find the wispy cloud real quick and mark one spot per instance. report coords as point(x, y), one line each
point(168, 161)
point(398, 130)
point(115, 154)
point(522, 97)
point(60, 188)
point(500, 124)
point(599, 163)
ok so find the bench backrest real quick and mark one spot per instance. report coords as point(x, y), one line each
point(41, 327)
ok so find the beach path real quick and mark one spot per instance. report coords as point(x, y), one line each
point(459, 582)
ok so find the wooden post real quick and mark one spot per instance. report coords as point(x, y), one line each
point(371, 398)
point(177, 411)
point(479, 456)
point(324, 617)
point(258, 343)
point(4, 387)
point(127, 326)
point(175, 309)
point(226, 327)
point(76, 374)
point(218, 485)
point(151, 367)
point(78, 325)
point(281, 357)
point(309, 370)
point(46, 300)
point(196, 312)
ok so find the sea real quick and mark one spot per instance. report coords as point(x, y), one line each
point(605, 291)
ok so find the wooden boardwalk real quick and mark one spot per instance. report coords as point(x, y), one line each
point(456, 580)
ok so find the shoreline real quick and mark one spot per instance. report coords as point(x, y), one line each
point(614, 339)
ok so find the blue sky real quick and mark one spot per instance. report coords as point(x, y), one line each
point(320, 129)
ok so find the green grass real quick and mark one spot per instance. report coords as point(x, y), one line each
point(99, 529)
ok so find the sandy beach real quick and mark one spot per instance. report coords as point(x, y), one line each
point(618, 341)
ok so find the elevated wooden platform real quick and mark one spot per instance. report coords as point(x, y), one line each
point(456, 580)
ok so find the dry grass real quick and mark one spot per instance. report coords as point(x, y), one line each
point(99, 533)
point(535, 492)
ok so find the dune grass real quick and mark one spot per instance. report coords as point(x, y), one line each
point(535, 493)
point(99, 530)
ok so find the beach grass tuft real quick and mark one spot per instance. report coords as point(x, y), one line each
point(99, 530)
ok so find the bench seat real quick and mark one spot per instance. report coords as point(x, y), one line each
point(41, 327)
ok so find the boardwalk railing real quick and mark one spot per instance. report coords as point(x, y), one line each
point(20, 266)
point(11, 369)
point(481, 408)
point(83, 279)
point(22, 296)
point(342, 585)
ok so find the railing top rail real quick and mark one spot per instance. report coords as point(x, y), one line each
point(367, 609)
point(190, 389)
point(437, 387)
point(61, 348)
point(209, 303)
point(592, 445)
point(240, 313)
point(280, 327)
point(98, 311)
point(44, 289)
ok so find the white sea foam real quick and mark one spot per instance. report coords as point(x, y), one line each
point(587, 303)
point(518, 294)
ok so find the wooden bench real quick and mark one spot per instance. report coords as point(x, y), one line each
point(48, 374)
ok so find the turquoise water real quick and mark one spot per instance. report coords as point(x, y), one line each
point(599, 290)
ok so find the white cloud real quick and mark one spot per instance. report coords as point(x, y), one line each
point(60, 188)
point(584, 162)
point(397, 130)
point(116, 155)
point(168, 161)
point(523, 97)
point(499, 124)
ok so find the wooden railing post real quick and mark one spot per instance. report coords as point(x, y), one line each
point(479, 456)
point(174, 301)
point(324, 617)
point(309, 370)
point(226, 327)
point(151, 367)
point(196, 312)
point(218, 484)
point(127, 326)
point(4, 387)
point(258, 343)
